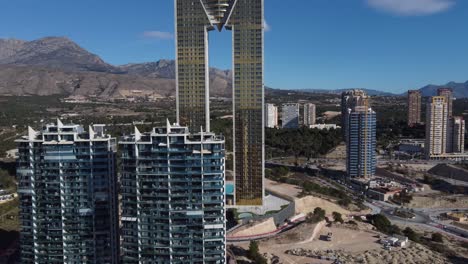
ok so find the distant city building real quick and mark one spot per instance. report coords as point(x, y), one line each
point(68, 195)
point(436, 126)
point(309, 114)
point(349, 100)
point(445, 135)
point(448, 94)
point(458, 136)
point(325, 126)
point(290, 115)
point(271, 116)
point(361, 142)
point(414, 107)
point(173, 199)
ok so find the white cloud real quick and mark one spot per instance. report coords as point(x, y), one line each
point(411, 7)
point(158, 35)
point(266, 26)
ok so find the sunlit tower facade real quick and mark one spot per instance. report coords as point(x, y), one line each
point(194, 20)
point(414, 108)
point(361, 142)
point(349, 100)
point(309, 114)
point(436, 126)
point(68, 195)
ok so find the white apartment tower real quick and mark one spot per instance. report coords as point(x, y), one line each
point(436, 126)
point(271, 116)
point(309, 114)
point(290, 115)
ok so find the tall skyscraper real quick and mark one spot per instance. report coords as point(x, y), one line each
point(290, 115)
point(414, 107)
point(349, 100)
point(194, 19)
point(173, 200)
point(361, 142)
point(458, 136)
point(309, 114)
point(448, 94)
point(68, 195)
point(271, 116)
point(436, 126)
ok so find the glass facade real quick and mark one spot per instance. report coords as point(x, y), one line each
point(68, 196)
point(361, 142)
point(194, 18)
point(173, 197)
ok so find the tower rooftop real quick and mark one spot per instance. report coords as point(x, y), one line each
point(218, 11)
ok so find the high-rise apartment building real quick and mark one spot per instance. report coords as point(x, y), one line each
point(448, 94)
point(271, 116)
point(361, 142)
point(290, 115)
point(349, 100)
point(309, 114)
point(194, 20)
point(173, 199)
point(414, 107)
point(458, 136)
point(436, 126)
point(67, 185)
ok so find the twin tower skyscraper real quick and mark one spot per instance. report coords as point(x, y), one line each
point(194, 20)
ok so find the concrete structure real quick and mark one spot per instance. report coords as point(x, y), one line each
point(194, 19)
point(309, 114)
point(361, 142)
point(457, 217)
point(349, 100)
point(414, 107)
point(382, 194)
point(445, 135)
point(436, 126)
point(290, 115)
point(448, 94)
point(325, 126)
point(173, 197)
point(68, 195)
point(458, 134)
point(271, 116)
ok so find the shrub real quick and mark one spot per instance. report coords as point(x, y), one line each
point(437, 237)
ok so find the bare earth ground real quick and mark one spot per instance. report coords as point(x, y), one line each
point(357, 245)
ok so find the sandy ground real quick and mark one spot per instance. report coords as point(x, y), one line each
point(330, 114)
point(265, 226)
point(351, 246)
point(337, 153)
point(439, 201)
point(309, 203)
point(287, 190)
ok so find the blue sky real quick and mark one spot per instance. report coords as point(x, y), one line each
point(390, 45)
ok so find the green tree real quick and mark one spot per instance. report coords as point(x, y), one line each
point(253, 250)
point(254, 254)
point(338, 217)
point(381, 223)
point(437, 237)
point(317, 216)
point(412, 235)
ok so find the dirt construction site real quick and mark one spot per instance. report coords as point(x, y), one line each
point(350, 244)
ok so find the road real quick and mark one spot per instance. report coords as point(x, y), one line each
point(424, 217)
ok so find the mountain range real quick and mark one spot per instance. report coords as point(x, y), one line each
point(57, 65)
point(460, 90)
